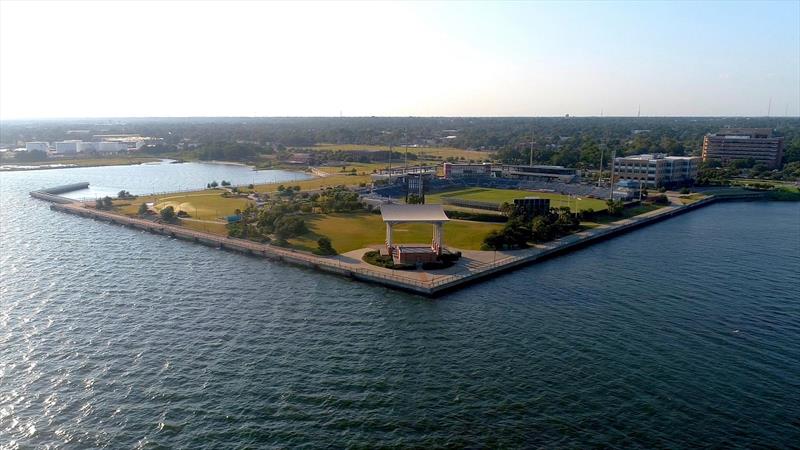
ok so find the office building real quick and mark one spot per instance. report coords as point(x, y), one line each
point(729, 144)
point(654, 170)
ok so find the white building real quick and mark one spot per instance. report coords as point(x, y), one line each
point(40, 146)
point(111, 147)
point(87, 147)
point(655, 170)
point(67, 147)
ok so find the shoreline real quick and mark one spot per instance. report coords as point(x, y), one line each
point(475, 266)
point(56, 165)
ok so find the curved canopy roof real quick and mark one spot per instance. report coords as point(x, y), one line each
point(413, 213)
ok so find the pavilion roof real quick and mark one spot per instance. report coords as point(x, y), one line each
point(413, 213)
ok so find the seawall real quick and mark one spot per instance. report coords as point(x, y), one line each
point(423, 283)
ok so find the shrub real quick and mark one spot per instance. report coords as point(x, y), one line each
point(168, 214)
point(661, 200)
point(324, 247)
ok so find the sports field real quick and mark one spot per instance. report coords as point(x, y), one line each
point(358, 230)
point(508, 195)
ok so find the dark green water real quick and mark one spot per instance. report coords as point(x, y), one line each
point(683, 334)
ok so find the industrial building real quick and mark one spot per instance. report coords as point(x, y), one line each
point(729, 144)
point(654, 170)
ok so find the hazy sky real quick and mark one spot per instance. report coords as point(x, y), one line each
point(94, 59)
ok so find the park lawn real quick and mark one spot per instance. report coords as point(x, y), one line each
point(691, 198)
point(627, 213)
point(318, 182)
point(358, 230)
point(421, 152)
point(790, 186)
point(508, 195)
point(204, 205)
point(219, 228)
point(366, 168)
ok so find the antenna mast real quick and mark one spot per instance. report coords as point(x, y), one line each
point(531, 162)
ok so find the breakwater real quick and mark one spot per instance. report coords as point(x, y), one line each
point(471, 270)
point(51, 194)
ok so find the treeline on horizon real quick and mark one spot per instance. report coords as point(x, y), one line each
point(567, 141)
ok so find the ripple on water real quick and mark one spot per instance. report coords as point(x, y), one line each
point(681, 334)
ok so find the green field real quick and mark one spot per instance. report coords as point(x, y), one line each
point(203, 205)
point(508, 195)
point(358, 230)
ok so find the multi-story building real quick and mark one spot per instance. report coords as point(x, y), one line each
point(654, 170)
point(39, 146)
point(729, 144)
point(67, 147)
point(87, 147)
point(112, 147)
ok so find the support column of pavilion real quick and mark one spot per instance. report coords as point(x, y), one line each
point(389, 243)
point(438, 238)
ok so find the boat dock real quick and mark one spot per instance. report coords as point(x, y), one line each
point(474, 266)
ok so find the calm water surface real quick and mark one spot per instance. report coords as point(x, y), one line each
point(686, 333)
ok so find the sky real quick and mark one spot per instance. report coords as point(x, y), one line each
point(187, 58)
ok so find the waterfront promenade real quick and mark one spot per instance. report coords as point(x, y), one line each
point(472, 267)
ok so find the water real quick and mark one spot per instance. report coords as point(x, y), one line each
point(685, 333)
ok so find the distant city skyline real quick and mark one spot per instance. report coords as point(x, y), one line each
point(182, 59)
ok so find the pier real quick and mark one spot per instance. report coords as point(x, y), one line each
point(474, 266)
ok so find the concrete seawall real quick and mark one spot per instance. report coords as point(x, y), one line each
point(423, 283)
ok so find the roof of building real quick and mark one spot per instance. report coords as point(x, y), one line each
point(413, 213)
point(654, 156)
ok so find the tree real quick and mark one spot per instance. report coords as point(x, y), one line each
point(168, 214)
point(225, 183)
point(508, 209)
point(325, 247)
point(614, 207)
point(143, 209)
point(108, 202)
point(414, 199)
point(213, 184)
point(98, 204)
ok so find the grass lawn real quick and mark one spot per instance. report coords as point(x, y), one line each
point(691, 198)
point(216, 228)
point(204, 205)
point(358, 230)
point(508, 195)
point(421, 152)
point(319, 182)
point(627, 213)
